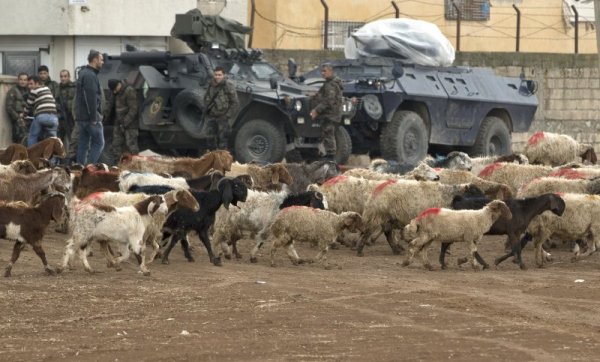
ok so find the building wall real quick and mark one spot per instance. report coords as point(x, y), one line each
point(283, 24)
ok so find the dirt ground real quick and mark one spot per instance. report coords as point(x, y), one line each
point(369, 308)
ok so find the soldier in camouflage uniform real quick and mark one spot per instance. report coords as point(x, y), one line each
point(327, 109)
point(15, 105)
point(66, 95)
point(221, 106)
point(126, 127)
point(46, 81)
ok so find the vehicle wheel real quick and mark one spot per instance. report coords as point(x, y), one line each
point(405, 139)
point(189, 106)
point(259, 140)
point(493, 138)
point(343, 144)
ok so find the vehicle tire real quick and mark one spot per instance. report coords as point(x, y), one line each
point(259, 140)
point(493, 138)
point(189, 107)
point(343, 144)
point(405, 139)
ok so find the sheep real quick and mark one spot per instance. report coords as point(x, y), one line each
point(512, 175)
point(319, 227)
point(575, 172)
point(492, 189)
point(553, 149)
point(523, 211)
point(44, 150)
point(125, 226)
point(128, 179)
point(179, 166)
point(229, 191)
point(448, 226)
point(455, 160)
point(24, 167)
point(394, 203)
point(14, 152)
point(254, 216)
point(479, 163)
point(304, 174)
point(422, 172)
point(26, 224)
point(27, 188)
point(544, 185)
point(264, 178)
point(580, 220)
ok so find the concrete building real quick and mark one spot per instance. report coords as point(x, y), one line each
point(60, 33)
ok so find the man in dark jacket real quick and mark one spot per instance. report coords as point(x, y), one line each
point(46, 81)
point(15, 104)
point(66, 95)
point(89, 112)
point(327, 109)
point(125, 131)
point(221, 106)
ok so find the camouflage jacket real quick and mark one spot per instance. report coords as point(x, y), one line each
point(15, 101)
point(221, 99)
point(66, 95)
point(126, 107)
point(327, 103)
point(54, 88)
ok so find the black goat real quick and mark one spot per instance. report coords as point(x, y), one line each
point(228, 191)
point(523, 211)
point(305, 174)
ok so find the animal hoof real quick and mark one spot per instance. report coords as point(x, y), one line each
point(217, 262)
point(191, 259)
point(443, 266)
point(165, 261)
point(50, 271)
point(405, 263)
point(59, 270)
point(146, 273)
point(360, 253)
point(496, 262)
point(428, 267)
point(253, 259)
point(523, 267)
point(327, 267)
point(461, 261)
point(238, 256)
point(574, 259)
point(228, 257)
point(486, 266)
point(7, 273)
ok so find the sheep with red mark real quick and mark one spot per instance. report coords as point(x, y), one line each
point(514, 176)
point(544, 185)
point(553, 149)
point(421, 172)
point(448, 226)
point(269, 177)
point(492, 189)
point(179, 166)
point(103, 223)
point(576, 171)
point(394, 203)
point(306, 224)
point(479, 163)
point(94, 178)
point(27, 225)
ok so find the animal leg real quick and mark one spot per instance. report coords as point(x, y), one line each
point(206, 241)
point(17, 248)
point(444, 248)
point(67, 257)
point(37, 247)
point(172, 242)
point(397, 249)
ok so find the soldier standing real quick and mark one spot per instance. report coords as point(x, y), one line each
point(15, 104)
point(126, 127)
point(46, 81)
point(327, 109)
point(221, 106)
point(66, 94)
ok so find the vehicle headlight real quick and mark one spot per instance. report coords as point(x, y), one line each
point(372, 106)
point(298, 105)
point(347, 105)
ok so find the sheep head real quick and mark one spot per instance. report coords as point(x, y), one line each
point(24, 167)
point(410, 231)
point(424, 172)
point(557, 204)
point(499, 209)
point(279, 173)
point(459, 161)
point(587, 153)
point(352, 221)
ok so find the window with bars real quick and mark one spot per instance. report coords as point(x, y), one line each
point(470, 10)
point(339, 31)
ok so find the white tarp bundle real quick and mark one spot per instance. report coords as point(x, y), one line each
point(412, 41)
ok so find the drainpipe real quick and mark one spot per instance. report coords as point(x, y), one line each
point(396, 8)
point(576, 28)
point(518, 26)
point(326, 23)
point(252, 12)
point(457, 26)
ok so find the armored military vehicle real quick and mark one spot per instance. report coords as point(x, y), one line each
point(406, 109)
point(273, 117)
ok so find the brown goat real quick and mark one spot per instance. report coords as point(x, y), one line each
point(93, 179)
point(264, 178)
point(44, 150)
point(12, 153)
point(25, 224)
point(179, 166)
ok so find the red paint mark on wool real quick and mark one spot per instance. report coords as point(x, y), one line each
point(90, 197)
point(334, 180)
point(535, 138)
point(383, 185)
point(429, 212)
point(568, 173)
point(488, 170)
point(437, 169)
point(559, 194)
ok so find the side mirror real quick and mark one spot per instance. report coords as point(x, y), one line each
point(292, 68)
point(397, 70)
point(273, 83)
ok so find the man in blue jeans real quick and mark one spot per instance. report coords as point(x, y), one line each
point(88, 110)
point(42, 104)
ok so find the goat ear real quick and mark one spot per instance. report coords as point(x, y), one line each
point(57, 212)
point(47, 152)
point(274, 176)
point(226, 193)
point(318, 195)
point(592, 156)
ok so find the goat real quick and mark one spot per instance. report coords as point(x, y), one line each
point(180, 166)
point(44, 150)
point(12, 153)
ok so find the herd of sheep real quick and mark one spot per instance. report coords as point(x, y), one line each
point(549, 192)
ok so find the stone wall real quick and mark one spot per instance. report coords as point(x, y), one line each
point(568, 86)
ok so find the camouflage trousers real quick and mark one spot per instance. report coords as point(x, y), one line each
point(219, 128)
point(328, 129)
point(19, 131)
point(73, 142)
point(124, 139)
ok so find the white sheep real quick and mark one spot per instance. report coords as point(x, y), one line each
point(127, 179)
point(580, 220)
point(319, 227)
point(448, 226)
point(553, 149)
point(544, 185)
point(492, 189)
point(421, 172)
point(103, 223)
point(514, 176)
point(479, 163)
